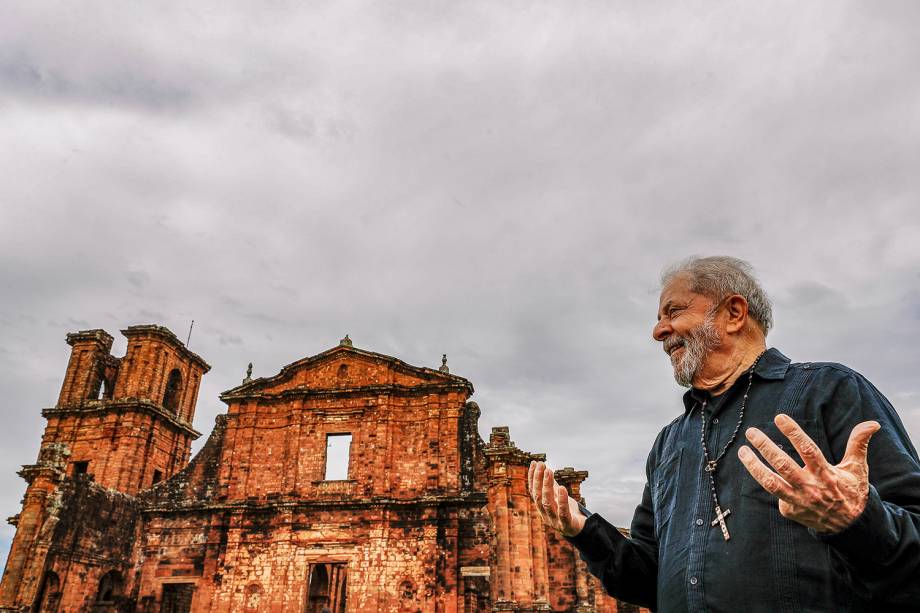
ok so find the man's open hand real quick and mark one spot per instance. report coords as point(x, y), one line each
point(558, 510)
point(820, 496)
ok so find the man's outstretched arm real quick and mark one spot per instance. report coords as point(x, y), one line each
point(626, 567)
point(867, 505)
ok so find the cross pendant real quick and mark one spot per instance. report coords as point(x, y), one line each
point(720, 519)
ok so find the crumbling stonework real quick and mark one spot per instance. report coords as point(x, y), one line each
point(430, 518)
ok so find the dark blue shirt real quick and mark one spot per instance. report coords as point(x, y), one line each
point(675, 560)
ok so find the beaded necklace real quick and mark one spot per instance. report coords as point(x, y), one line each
point(711, 465)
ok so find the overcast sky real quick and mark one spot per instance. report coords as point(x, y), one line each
point(498, 181)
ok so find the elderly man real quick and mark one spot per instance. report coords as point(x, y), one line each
point(816, 519)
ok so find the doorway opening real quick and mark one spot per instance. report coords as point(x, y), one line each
point(327, 588)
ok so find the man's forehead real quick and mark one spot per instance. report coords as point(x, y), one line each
point(678, 290)
point(677, 286)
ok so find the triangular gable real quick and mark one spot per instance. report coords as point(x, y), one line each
point(345, 367)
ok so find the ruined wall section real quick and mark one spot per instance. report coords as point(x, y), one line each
point(153, 354)
point(184, 536)
point(404, 437)
point(26, 560)
point(127, 421)
point(250, 518)
point(124, 445)
point(533, 567)
point(196, 483)
point(87, 367)
point(429, 519)
point(395, 558)
point(94, 536)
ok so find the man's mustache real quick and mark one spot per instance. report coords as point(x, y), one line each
point(673, 342)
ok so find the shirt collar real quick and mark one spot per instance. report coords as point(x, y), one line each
point(772, 366)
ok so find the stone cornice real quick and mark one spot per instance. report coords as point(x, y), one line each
point(167, 335)
point(437, 377)
point(90, 407)
point(512, 455)
point(98, 335)
point(240, 393)
point(471, 499)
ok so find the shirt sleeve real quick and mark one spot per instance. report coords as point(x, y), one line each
point(627, 567)
point(882, 547)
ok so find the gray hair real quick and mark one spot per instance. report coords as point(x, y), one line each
point(721, 276)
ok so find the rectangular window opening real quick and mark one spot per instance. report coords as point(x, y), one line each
point(80, 468)
point(157, 477)
point(338, 448)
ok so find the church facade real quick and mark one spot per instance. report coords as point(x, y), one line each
point(350, 481)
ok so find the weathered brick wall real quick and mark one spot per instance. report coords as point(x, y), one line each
point(122, 444)
point(94, 531)
point(129, 418)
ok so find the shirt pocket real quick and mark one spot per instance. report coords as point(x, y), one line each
point(664, 489)
point(750, 488)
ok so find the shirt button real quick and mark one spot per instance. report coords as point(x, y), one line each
point(699, 522)
point(693, 580)
point(715, 420)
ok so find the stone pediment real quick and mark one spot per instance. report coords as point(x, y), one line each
point(346, 368)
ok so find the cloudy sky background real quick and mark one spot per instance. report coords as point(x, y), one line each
point(501, 182)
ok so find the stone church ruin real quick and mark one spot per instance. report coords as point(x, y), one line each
point(349, 480)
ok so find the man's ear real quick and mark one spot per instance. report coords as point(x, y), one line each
point(736, 307)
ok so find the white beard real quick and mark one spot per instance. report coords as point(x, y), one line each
point(697, 345)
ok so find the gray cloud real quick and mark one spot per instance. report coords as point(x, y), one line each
point(500, 182)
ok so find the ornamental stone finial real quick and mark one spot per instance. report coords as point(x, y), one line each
point(248, 374)
point(345, 342)
point(444, 369)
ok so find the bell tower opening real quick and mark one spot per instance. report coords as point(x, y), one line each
point(173, 391)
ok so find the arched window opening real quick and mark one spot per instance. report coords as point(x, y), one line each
point(407, 595)
point(173, 390)
point(49, 594)
point(106, 389)
point(253, 597)
point(109, 587)
point(97, 387)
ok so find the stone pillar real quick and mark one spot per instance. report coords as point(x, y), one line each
point(517, 574)
point(34, 527)
point(572, 479)
point(540, 568)
point(521, 538)
point(499, 495)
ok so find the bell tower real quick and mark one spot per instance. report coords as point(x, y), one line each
point(127, 421)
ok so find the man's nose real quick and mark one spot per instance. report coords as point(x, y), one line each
point(661, 330)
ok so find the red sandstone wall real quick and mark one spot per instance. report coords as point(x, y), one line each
point(123, 448)
point(404, 444)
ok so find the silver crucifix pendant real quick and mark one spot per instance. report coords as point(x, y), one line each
point(720, 519)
